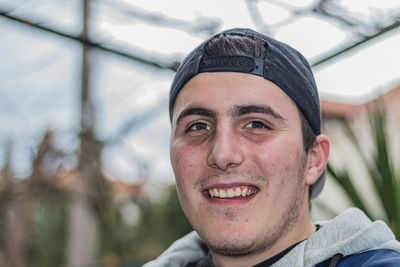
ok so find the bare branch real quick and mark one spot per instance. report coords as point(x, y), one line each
point(352, 21)
point(205, 26)
point(331, 9)
point(17, 206)
point(259, 22)
point(137, 122)
point(6, 174)
point(256, 17)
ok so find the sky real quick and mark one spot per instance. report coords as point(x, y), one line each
point(40, 73)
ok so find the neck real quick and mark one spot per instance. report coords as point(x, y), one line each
point(300, 231)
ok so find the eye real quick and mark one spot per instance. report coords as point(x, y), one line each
point(198, 126)
point(257, 125)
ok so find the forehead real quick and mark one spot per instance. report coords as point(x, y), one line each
point(220, 90)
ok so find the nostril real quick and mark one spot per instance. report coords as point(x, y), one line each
point(223, 162)
point(225, 150)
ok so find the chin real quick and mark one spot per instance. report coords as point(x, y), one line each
point(231, 246)
point(229, 241)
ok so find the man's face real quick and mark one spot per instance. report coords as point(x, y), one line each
point(238, 158)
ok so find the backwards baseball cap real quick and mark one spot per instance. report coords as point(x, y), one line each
point(282, 65)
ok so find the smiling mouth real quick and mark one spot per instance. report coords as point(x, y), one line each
point(231, 192)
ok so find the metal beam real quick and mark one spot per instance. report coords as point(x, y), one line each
point(86, 41)
point(174, 66)
point(325, 59)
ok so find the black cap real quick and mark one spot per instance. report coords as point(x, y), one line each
point(282, 65)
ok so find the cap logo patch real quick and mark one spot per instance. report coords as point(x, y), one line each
point(231, 63)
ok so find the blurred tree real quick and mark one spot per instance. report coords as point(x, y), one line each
point(381, 171)
point(49, 232)
point(37, 208)
point(161, 224)
point(19, 204)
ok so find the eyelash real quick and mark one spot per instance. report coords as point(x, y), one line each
point(203, 125)
point(199, 126)
point(262, 125)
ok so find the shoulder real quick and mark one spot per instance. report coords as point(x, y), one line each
point(371, 258)
point(378, 257)
point(182, 252)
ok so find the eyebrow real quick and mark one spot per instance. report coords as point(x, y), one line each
point(264, 109)
point(237, 110)
point(196, 111)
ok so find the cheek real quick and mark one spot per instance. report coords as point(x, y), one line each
point(181, 160)
point(181, 174)
point(279, 159)
point(186, 164)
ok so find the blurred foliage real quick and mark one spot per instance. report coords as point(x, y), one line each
point(49, 232)
point(35, 216)
point(161, 225)
point(121, 244)
point(380, 168)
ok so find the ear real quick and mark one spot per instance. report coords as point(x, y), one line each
point(317, 159)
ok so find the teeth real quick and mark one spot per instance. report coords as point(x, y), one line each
point(237, 192)
point(215, 191)
point(211, 192)
point(230, 193)
point(243, 191)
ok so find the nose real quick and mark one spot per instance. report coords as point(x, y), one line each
point(225, 150)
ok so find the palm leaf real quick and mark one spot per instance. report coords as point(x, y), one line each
point(383, 173)
point(379, 167)
point(345, 182)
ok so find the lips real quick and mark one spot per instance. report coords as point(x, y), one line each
point(231, 192)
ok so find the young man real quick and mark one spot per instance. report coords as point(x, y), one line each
point(248, 155)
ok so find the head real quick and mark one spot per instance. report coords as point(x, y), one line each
point(246, 147)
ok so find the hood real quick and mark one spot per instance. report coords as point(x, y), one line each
point(183, 251)
point(349, 233)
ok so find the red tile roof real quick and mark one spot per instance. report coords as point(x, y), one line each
point(391, 100)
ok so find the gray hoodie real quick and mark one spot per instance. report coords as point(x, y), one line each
point(349, 233)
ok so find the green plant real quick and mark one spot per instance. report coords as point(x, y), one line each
point(49, 232)
point(380, 168)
